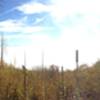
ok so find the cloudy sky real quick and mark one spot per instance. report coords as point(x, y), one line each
point(55, 27)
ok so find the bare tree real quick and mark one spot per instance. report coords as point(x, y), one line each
point(2, 49)
point(25, 83)
point(77, 92)
point(43, 75)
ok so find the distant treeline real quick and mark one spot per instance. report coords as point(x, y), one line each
point(50, 83)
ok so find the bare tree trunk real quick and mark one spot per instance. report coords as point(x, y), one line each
point(2, 49)
point(77, 90)
point(43, 76)
point(25, 83)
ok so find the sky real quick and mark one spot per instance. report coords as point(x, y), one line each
point(53, 27)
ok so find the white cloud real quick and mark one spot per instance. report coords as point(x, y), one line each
point(63, 8)
point(10, 26)
point(20, 26)
point(60, 9)
point(33, 7)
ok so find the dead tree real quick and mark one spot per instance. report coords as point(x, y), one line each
point(24, 83)
point(43, 76)
point(62, 86)
point(77, 88)
point(2, 49)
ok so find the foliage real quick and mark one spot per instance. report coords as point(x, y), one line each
point(45, 84)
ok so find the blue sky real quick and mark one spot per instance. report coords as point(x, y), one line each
point(57, 27)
